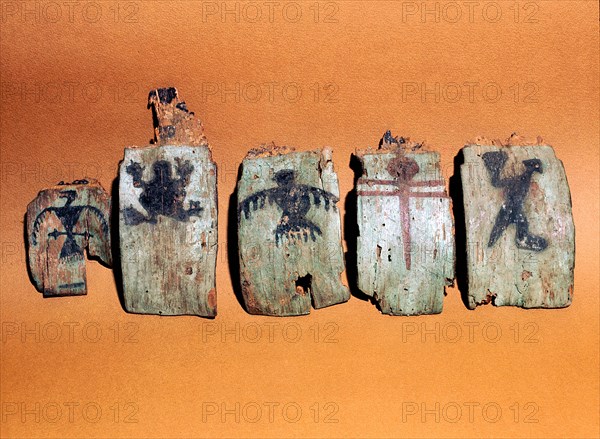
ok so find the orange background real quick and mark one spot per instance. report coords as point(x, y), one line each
point(74, 88)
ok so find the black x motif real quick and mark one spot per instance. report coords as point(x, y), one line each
point(295, 201)
point(163, 195)
point(69, 217)
point(515, 192)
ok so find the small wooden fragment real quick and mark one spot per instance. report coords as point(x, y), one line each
point(289, 235)
point(168, 216)
point(519, 224)
point(406, 244)
point(62, 222)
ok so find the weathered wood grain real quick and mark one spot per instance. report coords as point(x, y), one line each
point(62, 222)
point(289, 235)
point(520, 231)
point(168, 216)
point(406, 244)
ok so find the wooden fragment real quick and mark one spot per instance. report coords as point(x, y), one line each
point(168, 216)
point(289, 235)
point(405, 247)
point(62, 222)
point(519, 225)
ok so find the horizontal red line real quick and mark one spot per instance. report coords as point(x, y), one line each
point(400, 193)
point(397, 183)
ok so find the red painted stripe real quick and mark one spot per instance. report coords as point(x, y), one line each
point(428, 194)
point(425, 183)
point(399, 193)
point(373, 181)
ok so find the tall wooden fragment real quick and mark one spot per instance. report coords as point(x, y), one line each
point(405, 247)
point(519, 225)
point(168, 216)
point(289, 236)
point(62, 222)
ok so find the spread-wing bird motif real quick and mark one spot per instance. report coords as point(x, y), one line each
point(163, 195)
point(294, 200)
point(69, 217)
point(515, 191)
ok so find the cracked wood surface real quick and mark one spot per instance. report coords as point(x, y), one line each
point(520, 231)
point(168, 216)
point(62, 222)
point(405, 247)
point(289, 235)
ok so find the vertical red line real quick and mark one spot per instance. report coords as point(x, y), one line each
point(404, 195)
point(404, 200)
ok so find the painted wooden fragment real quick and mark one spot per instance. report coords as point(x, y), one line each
point(405, 247)
point(62, 222)
point(168, 216)
point(520, 233)
point(289, 235)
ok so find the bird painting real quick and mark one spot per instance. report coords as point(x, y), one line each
point(69, 216)
point(515, 189)
point(294, 200)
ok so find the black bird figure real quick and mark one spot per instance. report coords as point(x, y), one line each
point(515, 190)
point(163, 195)
point(294, 200)
point(69, 216)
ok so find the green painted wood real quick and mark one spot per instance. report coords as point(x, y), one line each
point(168, 216)
point(527, 265)
point(289, 235)
point(62, 222)
point(405, 247)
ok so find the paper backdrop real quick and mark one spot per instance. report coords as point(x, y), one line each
point(74, 84)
